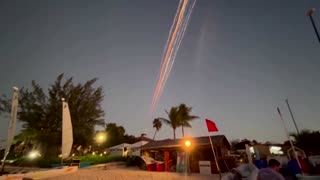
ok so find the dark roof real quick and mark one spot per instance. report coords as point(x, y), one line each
point(198, 141)
point(143, 138)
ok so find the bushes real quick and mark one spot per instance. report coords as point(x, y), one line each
point(43, 162)
point(131, 161)
point(136, 161)
point(96, 159)
point(47, 162)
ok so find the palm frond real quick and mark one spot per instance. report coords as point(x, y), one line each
point(186, 124)
point(191, 118)
point(165, 120)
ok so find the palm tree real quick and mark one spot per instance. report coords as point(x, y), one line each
point(156, 124)
point(173, 120)
point(185, 117)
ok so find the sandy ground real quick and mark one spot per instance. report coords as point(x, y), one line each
point(129, 173)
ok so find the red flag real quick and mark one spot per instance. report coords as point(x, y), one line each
point(211, 126)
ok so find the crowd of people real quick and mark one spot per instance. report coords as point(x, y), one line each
point(274, 171)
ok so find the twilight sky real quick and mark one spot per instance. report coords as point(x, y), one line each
point(238, 60)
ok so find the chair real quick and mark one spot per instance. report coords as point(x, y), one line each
point(75, 162)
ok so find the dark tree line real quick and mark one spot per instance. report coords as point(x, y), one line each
point(41, 112)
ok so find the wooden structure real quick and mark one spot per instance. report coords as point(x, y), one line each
point(167, 151)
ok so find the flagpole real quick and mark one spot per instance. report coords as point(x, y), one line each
point(214, 155)
point(294, 121)
point(287, 133)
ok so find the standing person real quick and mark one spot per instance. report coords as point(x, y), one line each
point(271, 172)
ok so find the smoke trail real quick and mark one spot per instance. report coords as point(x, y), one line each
point(168, 51)
point(170, 33)
point(174, 40)
point(166, 46)
point(172, 50)
point(178, 43)
point(164, 68)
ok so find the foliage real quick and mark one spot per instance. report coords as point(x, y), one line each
point(157, 124)
point(185, 116)
point(179, 117)
point(136, 161)
point(45, 162)
point(42, 162)
point(173, 120)
point(41, 113)
point(131, 161)
point(307, 140)
point(116, 135)
point(241, 145)
point(96, 159)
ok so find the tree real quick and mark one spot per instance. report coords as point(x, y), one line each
point(234, 144)
point(307, 140)
point(156, 124)
point(255, 142)
point(238, 145)
point(173, 120)
point(41, 113)
point(185, 116)
point(116, 135)
point(179, 117)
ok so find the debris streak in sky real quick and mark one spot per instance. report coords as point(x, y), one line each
point(177, 43)
point(174, 40)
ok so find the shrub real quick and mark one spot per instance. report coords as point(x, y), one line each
point(42, 162)
point(96, 159)
point(136, 161)
point(131, 161)
point(46, 162)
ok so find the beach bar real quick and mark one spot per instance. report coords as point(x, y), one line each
point(173, 153)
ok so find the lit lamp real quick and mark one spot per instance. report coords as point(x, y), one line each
point(33, 154)
point(101, 137)
point(187, 143)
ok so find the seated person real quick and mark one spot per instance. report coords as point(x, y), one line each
point(271, 172)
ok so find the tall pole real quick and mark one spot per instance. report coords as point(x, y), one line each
point(287, 133)
point(187, 169)
point(309, 13)
point(294, 121)
point(215, 157)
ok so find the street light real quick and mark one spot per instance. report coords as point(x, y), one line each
point(310, 13)
point(101, 137)
point(33, 154)
point(187, 143)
